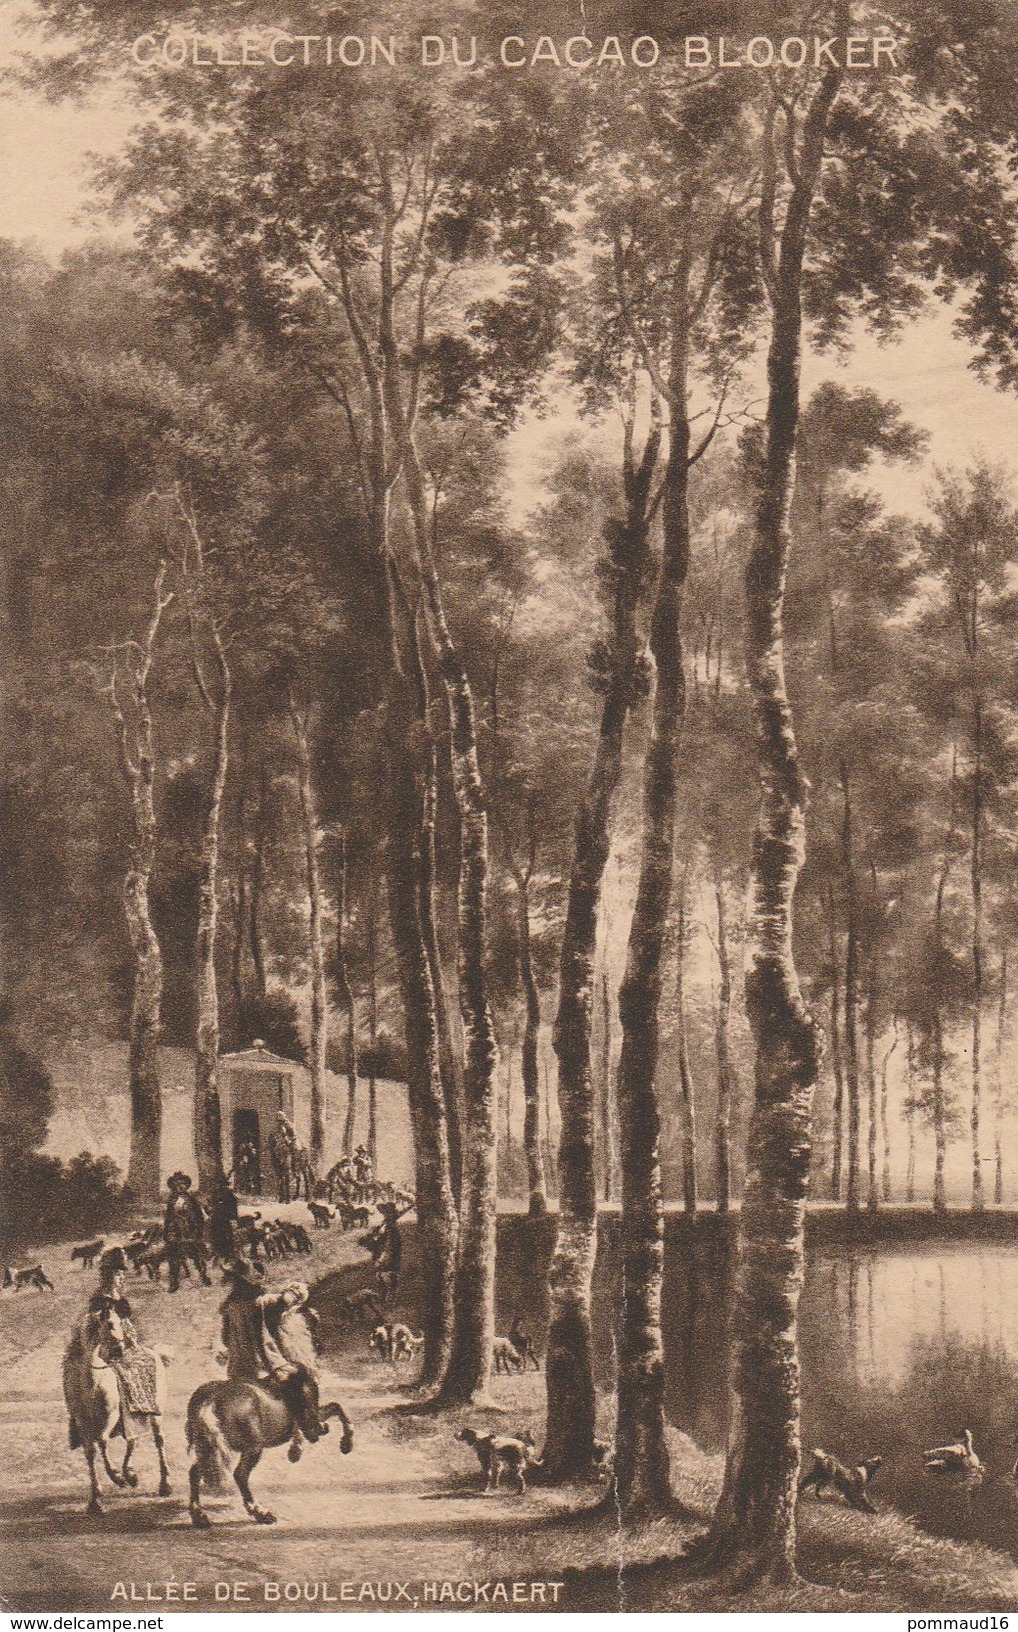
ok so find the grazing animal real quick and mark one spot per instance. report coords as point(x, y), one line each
point(28, 1275)
point(96, 1405)
point(322, 1212)
point(88, 1252)
point(505, 1355)
point(852, 1483)
point(364, 1302)
point(228, 1420)
point(958, 1461)
point(501, 1453)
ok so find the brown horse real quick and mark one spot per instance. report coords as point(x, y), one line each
point(96, 1406)
point(226, 1420)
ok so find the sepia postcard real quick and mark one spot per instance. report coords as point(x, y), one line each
point(509, 807)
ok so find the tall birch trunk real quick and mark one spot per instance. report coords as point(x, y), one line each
point(998, 1084)
point(687, 1096)
point(837, 1062)
point(723, 1126)
point(412, 784)
point(207, 1127)
point(569, 1435)
point(910, 1114)
point(411, 760)
point(852, 1083)
point(642, 1481)
point(474, 1328)
point(137, 759)
point(608, 1154)
point(977, 939)
point(538, 1204)
point(319, 1039)
point(258, 882)
point(344, 992)
point(873, 1189)
point(885, 1132)
point(754, 1526)
point(373, 1022)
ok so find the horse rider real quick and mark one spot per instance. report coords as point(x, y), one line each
point(363, 1167)
point(135, 1366)
point(254, 1333)
point(184, 1230)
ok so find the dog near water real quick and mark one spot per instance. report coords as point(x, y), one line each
point(828, 1472)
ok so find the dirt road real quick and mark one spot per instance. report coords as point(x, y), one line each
point(366, 1530)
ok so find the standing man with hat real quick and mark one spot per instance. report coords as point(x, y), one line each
point(184, 1230)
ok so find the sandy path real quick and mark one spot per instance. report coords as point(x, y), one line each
point(402, 1507)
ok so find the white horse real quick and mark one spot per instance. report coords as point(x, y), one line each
point(96, 1404)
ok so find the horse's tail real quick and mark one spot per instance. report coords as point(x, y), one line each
point(207, 1442)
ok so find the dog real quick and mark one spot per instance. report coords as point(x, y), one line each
point(88, 1252)
point(523, 1343)
point(851, 1483)
point(603, 1458)
point(27, 1275)
point(405, 1343)
point(394, 1342)
point(322, 1213)
point(505, 1355)
point(380, 1341)
point(365, 1301)
point(351, 1217)
point(501, 1453)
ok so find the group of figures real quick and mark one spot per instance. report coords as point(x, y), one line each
point(350, 1180)
point(113, 1383)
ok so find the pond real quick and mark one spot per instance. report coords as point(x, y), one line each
point(908, 1335)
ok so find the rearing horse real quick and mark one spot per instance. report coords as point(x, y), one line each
point(96, 1405)
point(233, 1419)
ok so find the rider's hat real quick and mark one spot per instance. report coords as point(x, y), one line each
point(179, 1181)
point(112, 1263)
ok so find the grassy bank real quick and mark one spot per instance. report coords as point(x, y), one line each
point(849, 1561)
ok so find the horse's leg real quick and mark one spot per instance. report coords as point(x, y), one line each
point(199, 1518)
point(242, 1473)
point(164, 1472)
point(127, 1473)
point(114, 1476)
point(94, 1505)
point(334, 1409)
